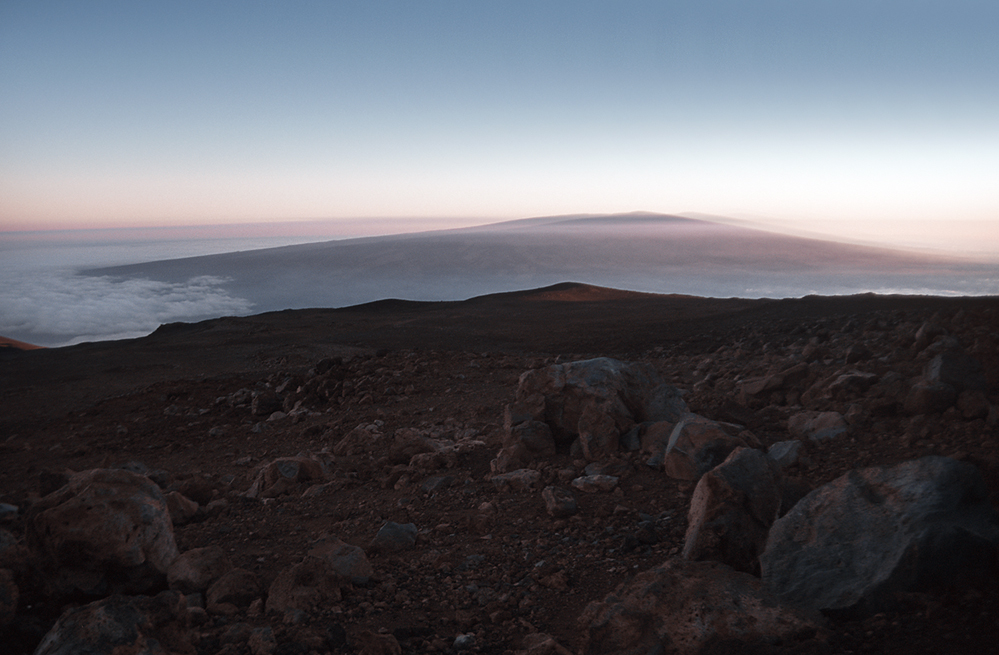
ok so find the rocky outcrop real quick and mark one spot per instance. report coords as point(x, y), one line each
point(591, 402)
point(852, 544)
point(684, 607)
point(107, 530)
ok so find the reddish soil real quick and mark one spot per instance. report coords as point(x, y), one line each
point(450, 368)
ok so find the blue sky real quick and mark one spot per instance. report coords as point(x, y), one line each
point(872, 120)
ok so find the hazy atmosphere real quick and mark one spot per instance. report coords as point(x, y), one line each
point(135, 132)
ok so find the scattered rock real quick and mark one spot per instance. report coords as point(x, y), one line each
point(594, 483)
point(595, 401)
point(236, 589)
point(519, 480)
point(785, 453)
point(286, 474)
point(182, 509)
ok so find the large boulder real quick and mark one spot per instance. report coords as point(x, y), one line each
point(686, 607)
point(595, 401)
point(732, 509)
point(107, 530)
point(123, 624)
point(852, 544)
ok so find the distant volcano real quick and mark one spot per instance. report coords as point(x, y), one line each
point(642, 252)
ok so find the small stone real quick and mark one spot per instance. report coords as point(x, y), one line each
point(595, 483)
point(465, 641)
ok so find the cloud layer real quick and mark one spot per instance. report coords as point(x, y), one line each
point(60, 307)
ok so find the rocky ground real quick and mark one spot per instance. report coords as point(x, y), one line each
point(397, 413)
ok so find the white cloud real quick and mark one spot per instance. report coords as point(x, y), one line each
point(60, 307)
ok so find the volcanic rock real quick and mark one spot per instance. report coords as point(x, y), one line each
point(393, 537)
point(817, 426)
point(852, 544)
point(284, 475)
point(122, 624)
point(697, 445)
point(683, 607)
point(107, 529)
point(596, 401)
point(347, 561)
point(196, 570)
point(236, 589)
point(559, 503)
point(305, 586)
point(732, 509)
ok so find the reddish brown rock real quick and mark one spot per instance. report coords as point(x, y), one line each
point(682, 607)
point(107, 529)
point(182, 509)
point(286, 474)
point(596, 400)
point(236, 589)
point(196, 570)
point(310, 584)
point(696, 446)
point(347, 561)
point(732, 509)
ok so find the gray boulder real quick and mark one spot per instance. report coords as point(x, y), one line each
point(852, 544)
point(958, 369)
point(732, 509)
point(688, 607)
point(817, 426)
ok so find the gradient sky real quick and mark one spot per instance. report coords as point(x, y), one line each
point(867, 119)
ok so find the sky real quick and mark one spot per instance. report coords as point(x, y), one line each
point(869, 120)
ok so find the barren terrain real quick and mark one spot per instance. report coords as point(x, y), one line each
point(487, 562)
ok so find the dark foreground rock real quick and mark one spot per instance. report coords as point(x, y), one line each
point(686, 607)
point(854, 544)
point(155, 625)
point(107, 530)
